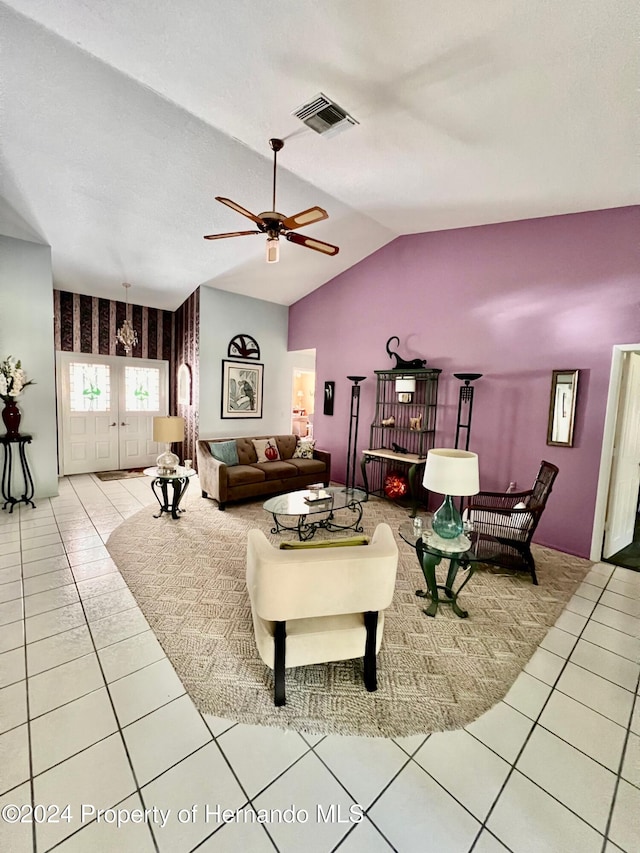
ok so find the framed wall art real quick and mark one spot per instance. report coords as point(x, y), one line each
point(329, 394)
point(241, 389)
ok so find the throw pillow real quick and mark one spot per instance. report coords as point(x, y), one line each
point(521, 520)
point(267, 449)
point(224, 451)
point(335, 543)
point(304, 449)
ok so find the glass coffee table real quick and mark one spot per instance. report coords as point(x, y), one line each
point(316, 515)
point(429, 557)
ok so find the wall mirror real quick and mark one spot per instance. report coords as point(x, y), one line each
point(562, 407)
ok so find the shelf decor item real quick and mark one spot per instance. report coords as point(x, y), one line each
point(13, 380)
point(405, 387)
point(395, 486)
point(452, 473)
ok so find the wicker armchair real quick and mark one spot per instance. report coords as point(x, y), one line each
point(504, 523)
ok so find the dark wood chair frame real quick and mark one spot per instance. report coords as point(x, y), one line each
point(280, 654)
point(497, 521)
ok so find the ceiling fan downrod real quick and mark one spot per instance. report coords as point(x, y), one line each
point(276, 145)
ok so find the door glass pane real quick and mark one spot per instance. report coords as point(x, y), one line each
point(142, 389)
point(89, 387)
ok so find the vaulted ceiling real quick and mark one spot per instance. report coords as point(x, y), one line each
point(121, 122)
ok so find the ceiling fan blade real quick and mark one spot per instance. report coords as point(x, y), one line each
point(305, 217)
point(310, 243)
point(230, 234)
point(235, 206)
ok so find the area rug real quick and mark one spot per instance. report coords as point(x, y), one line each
point(106, 476)
point(188, 577)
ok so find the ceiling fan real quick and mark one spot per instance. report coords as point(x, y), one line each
point(276, 225)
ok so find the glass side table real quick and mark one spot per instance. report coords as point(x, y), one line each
point(160, 488)
point(429, 557)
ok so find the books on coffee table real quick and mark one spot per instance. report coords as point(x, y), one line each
point(317, 497)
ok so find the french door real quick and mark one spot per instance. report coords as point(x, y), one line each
point(106, 406)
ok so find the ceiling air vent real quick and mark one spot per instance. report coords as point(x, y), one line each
point(324, 116)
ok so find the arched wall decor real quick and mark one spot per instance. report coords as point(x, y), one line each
point(243, 346)
point(184, 385)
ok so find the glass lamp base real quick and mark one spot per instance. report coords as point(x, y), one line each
point(447, 522)
point(167, 463)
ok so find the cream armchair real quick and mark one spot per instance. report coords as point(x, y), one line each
point(315, 605)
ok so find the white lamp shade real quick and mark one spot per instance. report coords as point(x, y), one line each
point(405, 385)
point(451, 472)
point(168, 429)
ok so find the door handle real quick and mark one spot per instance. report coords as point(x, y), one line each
point(113, 424)
point(123, 424)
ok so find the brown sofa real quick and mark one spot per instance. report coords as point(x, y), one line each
point(250, 478)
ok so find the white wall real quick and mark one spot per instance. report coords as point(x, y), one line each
point(26, 332)
point(223, 315)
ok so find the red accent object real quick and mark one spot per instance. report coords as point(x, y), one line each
point(271, 452)
point(11, 416)
point(395, 486)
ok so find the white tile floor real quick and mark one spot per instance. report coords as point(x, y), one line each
point(93, 715)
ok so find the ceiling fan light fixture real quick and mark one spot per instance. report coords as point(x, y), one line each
point(273, 250)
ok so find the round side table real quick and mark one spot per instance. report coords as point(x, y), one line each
point(179, 481)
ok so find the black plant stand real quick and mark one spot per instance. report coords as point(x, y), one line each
point(465, 403)
point(8, 442)
point(354, 417)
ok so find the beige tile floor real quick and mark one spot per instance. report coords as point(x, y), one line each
point(93, 716)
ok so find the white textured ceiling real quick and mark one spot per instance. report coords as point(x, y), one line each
point(121, 121)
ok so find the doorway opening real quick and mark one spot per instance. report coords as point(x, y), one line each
point(303, 394)
point(616, 527)
point(629, 556)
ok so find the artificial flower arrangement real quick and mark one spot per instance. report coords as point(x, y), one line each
point(13, 379)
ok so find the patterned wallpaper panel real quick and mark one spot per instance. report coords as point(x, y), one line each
point(89, 324)
point(187, 338)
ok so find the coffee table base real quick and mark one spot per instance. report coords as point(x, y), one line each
point(306, 529)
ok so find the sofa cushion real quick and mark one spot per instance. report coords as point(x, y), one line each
point(304, 449)
point(266, 449)
point(308, 466)
point(246, 451)
point(242, 475)
point(286, 445)
point(225, 451)
point(277, 470)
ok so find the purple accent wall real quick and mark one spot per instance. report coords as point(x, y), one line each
point(512, 301)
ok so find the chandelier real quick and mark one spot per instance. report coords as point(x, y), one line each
point(126, 334)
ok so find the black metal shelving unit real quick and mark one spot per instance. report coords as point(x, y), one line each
point(380, 458)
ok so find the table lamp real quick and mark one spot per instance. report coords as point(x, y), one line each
point(167, 430)
point(452, 473)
